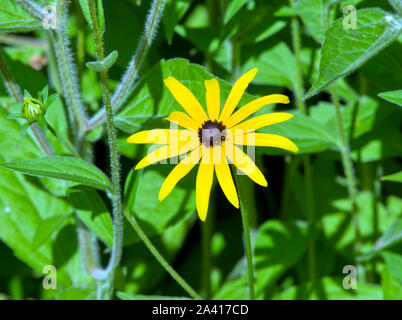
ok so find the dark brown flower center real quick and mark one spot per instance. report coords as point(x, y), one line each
point(212, 133)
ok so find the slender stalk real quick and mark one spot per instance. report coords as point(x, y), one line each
point(62, 141)
point(206, 230)
point(241, 188)
point(299, 92)
point(161, 259)
point(347, 167)
point(117, 248)
point(15, 92)
point(124, 89)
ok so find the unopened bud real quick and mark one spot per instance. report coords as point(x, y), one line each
point(32, 109)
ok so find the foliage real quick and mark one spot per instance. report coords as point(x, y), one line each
point(57, 201)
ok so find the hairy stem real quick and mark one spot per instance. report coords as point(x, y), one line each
point(117, 248)
point(161, 259)
point(15, 92)
point(347, 166)
point(299, 92)
point(68, 75)
point(32, 8)
point(125, 87)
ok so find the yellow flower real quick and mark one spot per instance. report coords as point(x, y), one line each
point(216, 138)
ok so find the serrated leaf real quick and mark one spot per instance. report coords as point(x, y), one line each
point(61, 167)
point(392, 96)
point(345, 50)
point(396, 177)
point(13, 18)
point(105, 64)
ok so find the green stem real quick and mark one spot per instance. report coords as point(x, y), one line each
point(68, 75)
point(347, 167)
point(118, 230)
point(62, 141)
point(242, 190)
point(299, 92)
point(15, 92)
point(160, 258)
point(206, 230)
point(126, 85)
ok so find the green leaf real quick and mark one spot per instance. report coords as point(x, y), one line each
point(93, 213)
point(276, 65)
point(345, 50)
point(64, 168)
point(232, 8)
point(141, 194)
point(105, 64)
point(173, 12)
point(278, 246)
point(47, 228)
point(392, 96)
point(397, 177)
point(23, 208)
point(13, 18)
point(129, 296)
point(310, 135)
point(311, 12)
point(394, 264)
point(391, 287)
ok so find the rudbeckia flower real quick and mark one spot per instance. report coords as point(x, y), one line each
point(213, 140)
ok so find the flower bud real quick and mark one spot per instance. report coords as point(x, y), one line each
point(32, 109)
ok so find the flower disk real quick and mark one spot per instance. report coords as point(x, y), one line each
point(212, 133)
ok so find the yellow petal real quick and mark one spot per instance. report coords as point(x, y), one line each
point(183, 120)
point(263, 121)
point(162, 136)
point(265, 140)
point(166, 152)
point(244, 163)
point(205, 177)
point(179, 171)
point(253, 107)
point(186, 99)
point(236, 93)
point(213, 98)
point(225, 180)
